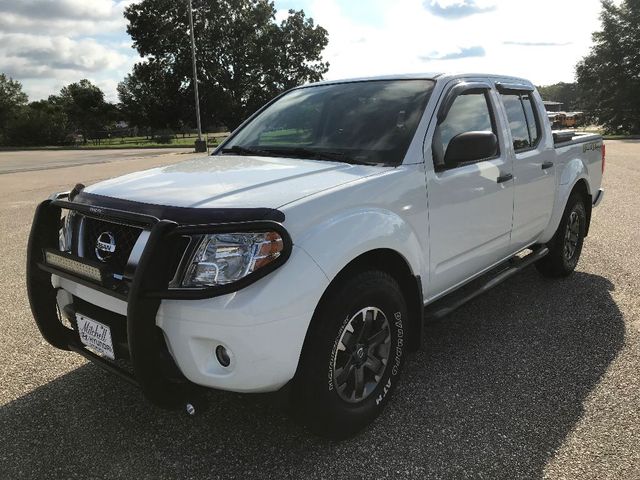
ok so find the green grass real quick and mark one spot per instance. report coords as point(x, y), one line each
point(144, 142)
point(213, 140)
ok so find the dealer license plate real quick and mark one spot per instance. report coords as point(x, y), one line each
point(95, 335)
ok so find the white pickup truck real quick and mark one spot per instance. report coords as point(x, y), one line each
point(308, 249)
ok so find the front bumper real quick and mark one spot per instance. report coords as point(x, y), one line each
point(164, 327)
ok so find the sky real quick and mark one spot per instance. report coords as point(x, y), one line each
point(46, 44)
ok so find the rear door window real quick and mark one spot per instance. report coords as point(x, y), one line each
point(523, 120)
point(532, 118)
point(517, 121)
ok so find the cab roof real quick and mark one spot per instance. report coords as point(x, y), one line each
point(425, 76)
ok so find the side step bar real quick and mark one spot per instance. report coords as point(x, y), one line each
point(443, 307)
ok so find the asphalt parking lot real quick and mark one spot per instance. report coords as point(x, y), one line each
point(536, 379)
point(32, 160)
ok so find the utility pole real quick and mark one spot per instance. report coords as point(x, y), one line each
point(201, 145)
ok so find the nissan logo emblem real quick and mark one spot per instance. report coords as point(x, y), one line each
point(105, 246)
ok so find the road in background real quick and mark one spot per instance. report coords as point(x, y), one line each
point(32, 160)
point(536, 379)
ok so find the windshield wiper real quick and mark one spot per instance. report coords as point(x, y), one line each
point(239, 150)
point(298, 152)
point(320, 155)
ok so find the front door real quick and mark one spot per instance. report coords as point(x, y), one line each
point(471, 204)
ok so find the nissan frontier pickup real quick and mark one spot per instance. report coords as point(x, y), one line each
point(305, 254)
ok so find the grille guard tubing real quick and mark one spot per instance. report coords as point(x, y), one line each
point(148, 288)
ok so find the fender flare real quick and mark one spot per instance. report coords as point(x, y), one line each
point(574, 173)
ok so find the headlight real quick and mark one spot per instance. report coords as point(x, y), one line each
point(224, 258)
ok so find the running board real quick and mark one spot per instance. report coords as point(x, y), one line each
point(443, 307)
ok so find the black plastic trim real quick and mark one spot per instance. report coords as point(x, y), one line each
point(419, 340)
point(445, 305)
point(143, 336)
point(455, 91)
point(106, 213)
point(546, 165)
point(505, 178)
point(42, 295)
point(183, 215)
point(104, 364)
point(504, 87)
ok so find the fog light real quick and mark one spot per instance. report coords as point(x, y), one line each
point(223, 356)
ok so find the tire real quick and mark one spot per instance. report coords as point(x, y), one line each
point(347, 374)
point(566, 245)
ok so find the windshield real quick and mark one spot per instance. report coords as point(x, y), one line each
point(369, 122)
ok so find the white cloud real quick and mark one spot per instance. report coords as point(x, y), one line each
point(47, 44)
point(37, 55)
point(62, 16)
point(411, 38)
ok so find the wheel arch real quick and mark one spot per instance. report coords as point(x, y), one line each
point(581, 187)
point(395, 264)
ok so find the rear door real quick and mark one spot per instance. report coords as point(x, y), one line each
point(533, 164)
point(470, 205)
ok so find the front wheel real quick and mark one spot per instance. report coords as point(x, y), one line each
point(566, 245)
point(353, 355)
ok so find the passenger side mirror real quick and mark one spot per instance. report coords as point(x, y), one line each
point(469, 147)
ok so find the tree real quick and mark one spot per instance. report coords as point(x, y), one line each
point(12, 103)
point(85, 107)
point(153, 97)
point(244, 57)
point(609, 76)
point(566, 93)
point(42, 123)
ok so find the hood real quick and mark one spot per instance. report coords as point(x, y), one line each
point(232, 181)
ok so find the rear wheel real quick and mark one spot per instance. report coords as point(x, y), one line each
point(566, 245)
point(353, 355)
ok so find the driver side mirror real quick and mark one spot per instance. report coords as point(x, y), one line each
point(469, 147)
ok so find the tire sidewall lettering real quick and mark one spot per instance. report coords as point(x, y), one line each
point(399, 348)
point(330, 373)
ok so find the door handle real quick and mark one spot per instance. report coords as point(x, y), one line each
point(505, 178)
point(546, 165)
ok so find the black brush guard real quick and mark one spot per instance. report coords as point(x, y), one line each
point(149, 286)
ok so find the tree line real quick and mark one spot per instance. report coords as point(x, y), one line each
point(245, 58)
point(78, 113)
point(607, 86)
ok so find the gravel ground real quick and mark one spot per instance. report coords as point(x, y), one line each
point(536, 379)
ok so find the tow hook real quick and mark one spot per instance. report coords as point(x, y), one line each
point(196, 403)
